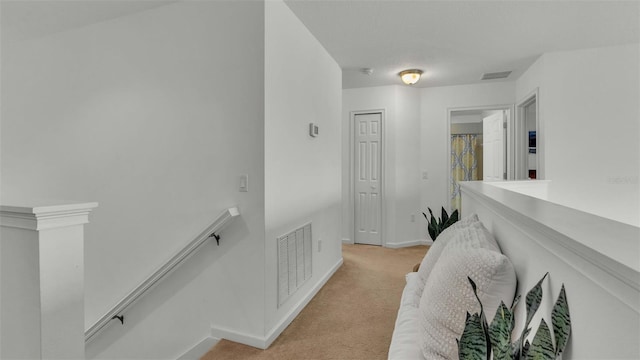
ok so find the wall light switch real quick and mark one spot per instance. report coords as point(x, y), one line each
point(425, 175)
point(244, 183)
point(313, 130)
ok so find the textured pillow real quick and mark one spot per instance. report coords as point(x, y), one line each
point(449, 232)
point(468, 232)
point(448, 296)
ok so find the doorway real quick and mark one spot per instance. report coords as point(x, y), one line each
point(367, 179)
point(479, 144)
point(527, 139)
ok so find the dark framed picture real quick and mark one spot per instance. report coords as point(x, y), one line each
point(532, 139)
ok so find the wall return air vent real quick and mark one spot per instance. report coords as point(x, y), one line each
point(294, 261)
point(496, 75)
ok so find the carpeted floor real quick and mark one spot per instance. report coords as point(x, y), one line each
point(350, 318)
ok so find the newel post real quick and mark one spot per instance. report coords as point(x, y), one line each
point(42, 281)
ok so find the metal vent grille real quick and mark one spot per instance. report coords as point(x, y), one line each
point(294, 261)
point(496, 75)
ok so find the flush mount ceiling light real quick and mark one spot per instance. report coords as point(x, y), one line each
point(410, 77)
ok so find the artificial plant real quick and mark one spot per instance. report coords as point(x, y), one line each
point(436, 226)
point(479, 340)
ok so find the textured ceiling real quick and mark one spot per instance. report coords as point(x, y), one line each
point(27, 19)
point(455, 42)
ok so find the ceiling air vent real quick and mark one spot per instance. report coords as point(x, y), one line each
point(496, 75)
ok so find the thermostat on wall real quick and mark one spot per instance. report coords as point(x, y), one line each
point(313, 129)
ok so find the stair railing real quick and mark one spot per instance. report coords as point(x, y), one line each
point(169, 266)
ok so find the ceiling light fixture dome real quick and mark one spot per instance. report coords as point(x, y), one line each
point(410, 77)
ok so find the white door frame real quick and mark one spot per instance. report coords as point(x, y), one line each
point(519, 152)
point(383, 183)
point(510, 147)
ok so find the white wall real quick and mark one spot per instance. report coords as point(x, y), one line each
point(20, 290)
point(530, 80)
point(401, 145)
point(408, 218)
point(434, 106)
point(589, 113)
point(145, 115)
point(302, 174)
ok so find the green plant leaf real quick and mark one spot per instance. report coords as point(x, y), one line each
point(561, 322)
point(500, 333)
point(452, 219)
point(473, 343)
point(533, 299)
point(483, 319)
point(518, 346)
point(475, 292)
point(445, 217)
point(434, 223)
point(455, 215)
point(432, 232)
point(434, 226)
point(515, 351)
point(525, 349)
point(542, 345)
point(516, 300)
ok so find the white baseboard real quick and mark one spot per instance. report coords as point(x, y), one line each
point(278, 329)
point(242, 338)
point(201, 348)
point(401, 244)
point(265, 342)
point(347, 241)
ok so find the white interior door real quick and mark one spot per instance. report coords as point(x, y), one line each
point(367, 178)
point(493, 145)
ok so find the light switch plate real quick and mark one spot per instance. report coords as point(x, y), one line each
point(313, 130)
point(244, 183)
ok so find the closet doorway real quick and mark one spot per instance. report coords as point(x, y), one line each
point(367, 169)
point(479, 144)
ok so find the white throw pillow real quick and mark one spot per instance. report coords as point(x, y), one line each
point(448, 296)
point(469, 232)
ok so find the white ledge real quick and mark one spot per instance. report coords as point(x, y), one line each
point(612, 245)
point(47, 215)
point(604, 250)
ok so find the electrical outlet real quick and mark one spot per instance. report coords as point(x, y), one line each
point(425, 175)
point(319, 245)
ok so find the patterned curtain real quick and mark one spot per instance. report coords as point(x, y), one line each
point(466, 163)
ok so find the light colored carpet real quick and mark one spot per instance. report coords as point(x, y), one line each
point(350, 318)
